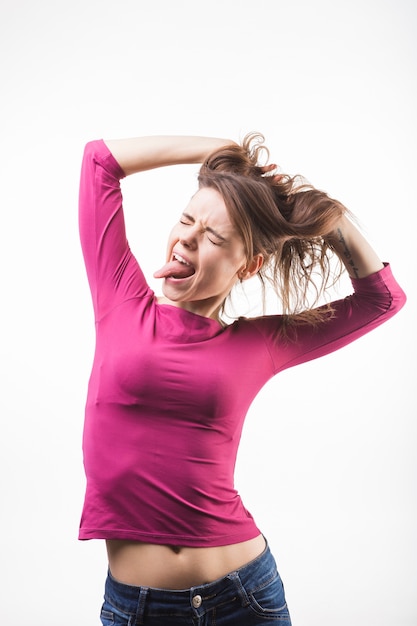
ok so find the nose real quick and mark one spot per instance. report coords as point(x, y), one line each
point(188, 238)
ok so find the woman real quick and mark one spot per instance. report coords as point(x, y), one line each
point(172, 382)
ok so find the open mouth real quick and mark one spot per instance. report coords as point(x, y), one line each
point(177, 268)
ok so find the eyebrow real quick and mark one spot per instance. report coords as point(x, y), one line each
point(208, 228)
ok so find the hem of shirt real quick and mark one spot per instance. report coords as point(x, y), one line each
point(169, 540)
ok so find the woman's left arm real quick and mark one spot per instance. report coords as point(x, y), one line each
point(377, 297)
point(356, 253)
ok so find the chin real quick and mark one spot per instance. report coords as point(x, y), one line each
point(170, 292)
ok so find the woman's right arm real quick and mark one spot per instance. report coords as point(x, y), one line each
point(138, 154)
point(112, 270)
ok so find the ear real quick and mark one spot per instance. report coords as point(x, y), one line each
point(252, 267)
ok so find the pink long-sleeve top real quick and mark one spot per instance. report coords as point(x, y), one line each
point(169, 389)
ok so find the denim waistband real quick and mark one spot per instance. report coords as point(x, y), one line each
point(254, 574)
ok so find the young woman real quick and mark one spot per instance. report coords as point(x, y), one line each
point(171, 382)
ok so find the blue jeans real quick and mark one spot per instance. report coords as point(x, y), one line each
point(250, 596)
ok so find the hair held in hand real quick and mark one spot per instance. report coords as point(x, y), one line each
point(281, 217)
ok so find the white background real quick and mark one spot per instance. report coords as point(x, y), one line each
point(327, 464)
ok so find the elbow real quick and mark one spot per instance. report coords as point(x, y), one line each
point(398, 301)
point(91, 149)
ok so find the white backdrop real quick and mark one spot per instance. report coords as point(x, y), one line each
point(327, 464)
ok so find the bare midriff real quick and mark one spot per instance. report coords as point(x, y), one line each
point(176, 567)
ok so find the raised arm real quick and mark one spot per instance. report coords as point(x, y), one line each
point(144, 153)
point(354, 250)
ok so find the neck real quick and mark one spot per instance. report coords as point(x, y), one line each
point(203, 308)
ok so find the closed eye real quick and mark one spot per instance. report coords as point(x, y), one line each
point(215, 243)
point(188, 220)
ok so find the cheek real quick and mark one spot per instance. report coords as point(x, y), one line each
point(227, 266)
point(238, 260)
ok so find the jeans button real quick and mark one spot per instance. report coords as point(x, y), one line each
point(197, 601)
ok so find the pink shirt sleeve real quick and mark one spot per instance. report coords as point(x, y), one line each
point(113, 272)
point(375, 300)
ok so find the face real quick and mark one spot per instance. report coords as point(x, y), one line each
point(205, 255)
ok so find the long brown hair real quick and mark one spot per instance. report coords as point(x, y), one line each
point(283, 218)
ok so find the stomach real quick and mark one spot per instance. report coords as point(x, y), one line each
point(177, 567)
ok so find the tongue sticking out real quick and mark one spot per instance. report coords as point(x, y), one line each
point(175, 269)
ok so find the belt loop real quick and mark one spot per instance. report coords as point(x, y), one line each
point(235, 578)
point(140, 611)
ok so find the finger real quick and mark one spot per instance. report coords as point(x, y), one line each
point(266, 169)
